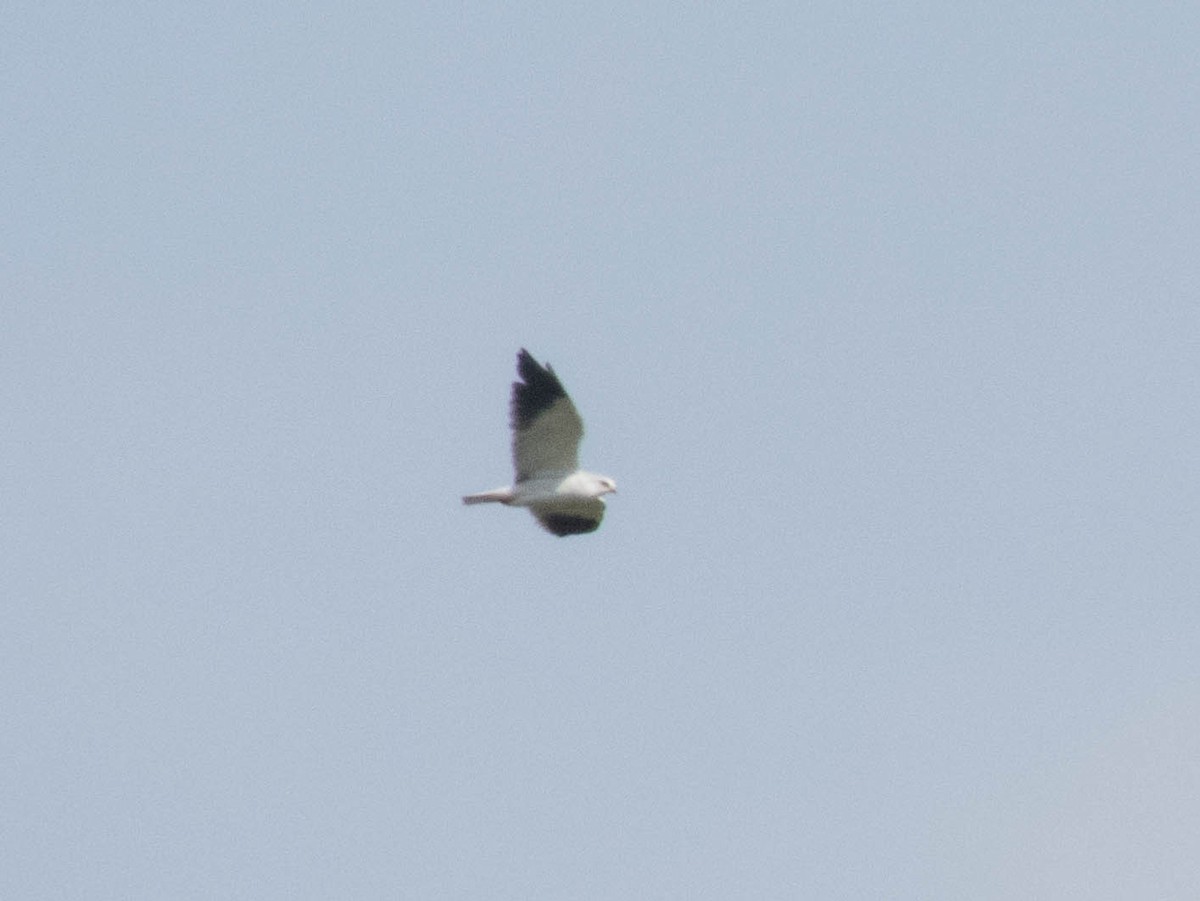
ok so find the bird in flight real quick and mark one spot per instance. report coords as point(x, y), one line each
point(547, 429)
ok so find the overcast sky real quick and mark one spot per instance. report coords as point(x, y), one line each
point(886, 319)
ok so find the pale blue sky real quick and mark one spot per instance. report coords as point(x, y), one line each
point(884, 318)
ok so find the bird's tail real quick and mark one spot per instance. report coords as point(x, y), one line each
point(495, 496)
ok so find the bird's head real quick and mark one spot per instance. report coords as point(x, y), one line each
point(606, 486)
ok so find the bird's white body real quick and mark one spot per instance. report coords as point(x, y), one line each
point(578, 485)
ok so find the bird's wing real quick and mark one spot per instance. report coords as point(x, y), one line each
point(546, 427)
point(574, 516)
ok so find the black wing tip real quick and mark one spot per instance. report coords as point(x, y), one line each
point(528, 367)
point(563, 524)
point(539, 389)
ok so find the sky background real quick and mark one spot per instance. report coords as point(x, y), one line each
point(886, 319)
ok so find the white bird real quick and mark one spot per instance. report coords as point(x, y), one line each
point(547, 429)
